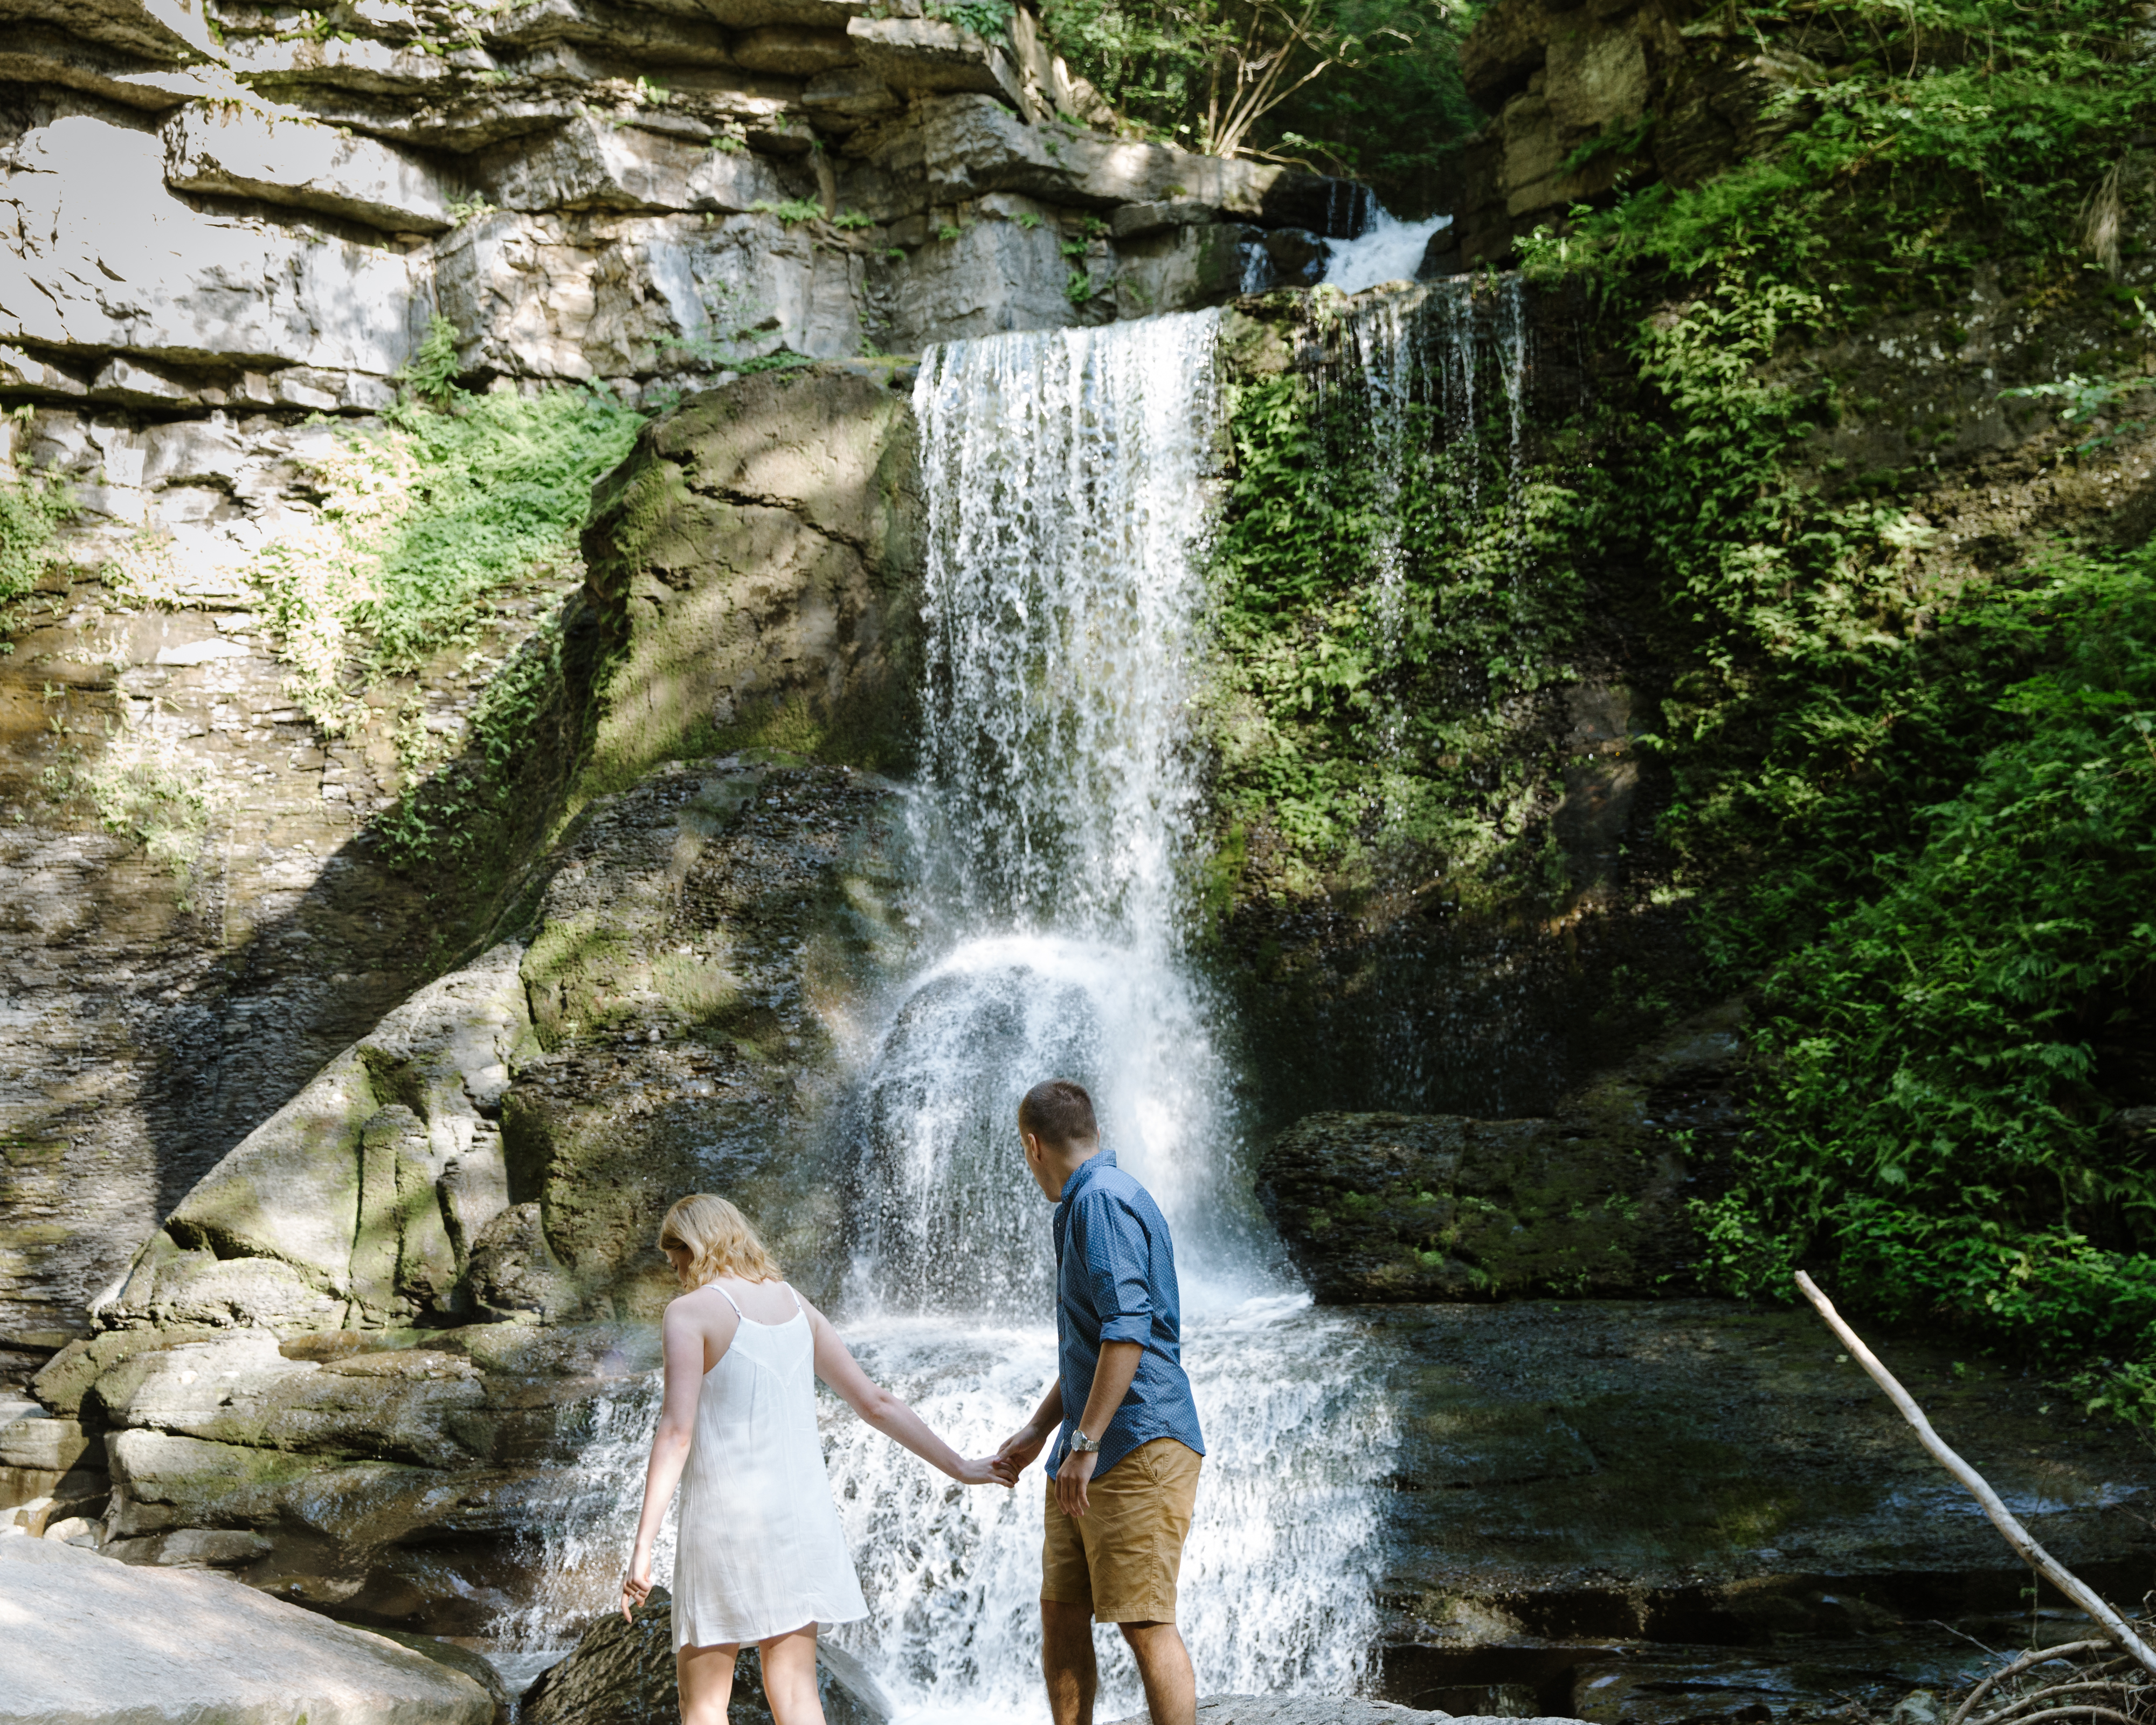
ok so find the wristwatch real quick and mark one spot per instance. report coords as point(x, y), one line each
point(1080, 1444)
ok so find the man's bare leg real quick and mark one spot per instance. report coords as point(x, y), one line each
point(1067, 1662)
point(706, 1678)
point(1171, 1686)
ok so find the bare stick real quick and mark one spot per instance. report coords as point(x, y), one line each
point(2041, 1656)
point(2082, 1711)
point(2016, 1535)
point(2034, 1696)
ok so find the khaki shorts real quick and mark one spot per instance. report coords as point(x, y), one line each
point(1121, 1557)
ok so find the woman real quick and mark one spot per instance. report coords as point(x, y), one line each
point(759, 1556)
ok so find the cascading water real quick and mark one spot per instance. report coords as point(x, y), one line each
point(1387, 249)
point(1425, 402)
point(1067, 480)
point(1066, 483)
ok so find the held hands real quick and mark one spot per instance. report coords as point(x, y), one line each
point(1017, 1452)
point(980, 1471)
point(635, 1585)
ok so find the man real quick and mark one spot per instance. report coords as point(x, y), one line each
point(1123, 1474)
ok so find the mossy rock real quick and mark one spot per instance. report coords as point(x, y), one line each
point(1591, 1201)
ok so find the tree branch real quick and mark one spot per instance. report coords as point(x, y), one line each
point(2016, 1535)
point(2041, 1656)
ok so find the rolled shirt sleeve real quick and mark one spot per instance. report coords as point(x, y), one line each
point(1113, 1244)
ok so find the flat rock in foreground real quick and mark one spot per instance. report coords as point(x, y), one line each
point(1322, 1710)
point(92, 1641)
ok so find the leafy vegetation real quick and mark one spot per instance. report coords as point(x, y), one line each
point(1369, 598)
point(1921, 142)
point(154, 795)
point(1946, 1044)
point(1914, 790)
point(31, 511)
point(987, 18)
point(1366, 87)
point(790, 211)
point(423, 521)
point(1911, 782)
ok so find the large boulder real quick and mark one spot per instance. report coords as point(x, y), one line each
point(707, 945)
point(363, 1197)
point(761, 548)
point(91, 1640)
point(394, 1475)
point(622, 1673)
point(1602, 1475)
point(1592, 1200)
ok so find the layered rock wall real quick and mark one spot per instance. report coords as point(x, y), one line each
point(224, 231)
point(1588, 93)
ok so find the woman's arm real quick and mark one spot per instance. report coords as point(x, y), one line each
point(681, 1333)
point(836, 1366)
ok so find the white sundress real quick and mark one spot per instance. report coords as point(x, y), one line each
point(759, 1551)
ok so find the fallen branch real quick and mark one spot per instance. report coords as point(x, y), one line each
point(2016, 1535)
point(2041, 1656)
point(2013, 1707)
point(2083, 1712)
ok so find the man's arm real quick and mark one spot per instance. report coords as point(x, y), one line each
point(1111, 1382)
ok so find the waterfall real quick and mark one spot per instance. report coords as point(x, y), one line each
point(1387, 249)
point(1064, 480)
point(1425, 402)
point(1068, 481)
point(1067, 484)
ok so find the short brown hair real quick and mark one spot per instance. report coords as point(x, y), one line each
point(1059, 1112)
point(718, 1240)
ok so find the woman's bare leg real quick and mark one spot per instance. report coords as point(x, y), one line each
point(706, 1678)
point(789, 1678)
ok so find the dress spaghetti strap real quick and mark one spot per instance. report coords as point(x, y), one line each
point(729, 1299)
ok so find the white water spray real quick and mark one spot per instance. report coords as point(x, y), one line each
point(1067, 491)
point(1389, 249)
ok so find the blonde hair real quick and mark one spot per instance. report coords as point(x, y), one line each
point(718, 1240)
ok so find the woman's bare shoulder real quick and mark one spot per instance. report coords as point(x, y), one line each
point(698, 1305)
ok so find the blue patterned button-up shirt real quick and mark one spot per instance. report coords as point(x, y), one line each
point(1115, 1281)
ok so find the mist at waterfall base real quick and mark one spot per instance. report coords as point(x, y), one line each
point(1067, 481)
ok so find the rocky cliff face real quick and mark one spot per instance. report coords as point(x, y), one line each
point(695, 958)
point(223, 232)
point(1588, 93)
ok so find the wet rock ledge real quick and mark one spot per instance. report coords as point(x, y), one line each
point(1589, 1201)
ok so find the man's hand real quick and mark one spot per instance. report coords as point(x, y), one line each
point(1016, 1453)
point(1071, 1480)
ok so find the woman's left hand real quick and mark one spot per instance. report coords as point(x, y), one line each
point(635, 1586)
